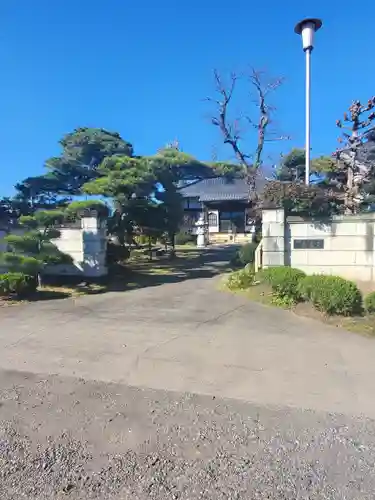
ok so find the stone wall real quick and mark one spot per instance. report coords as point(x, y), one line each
point(85, 242)
point(341, 245)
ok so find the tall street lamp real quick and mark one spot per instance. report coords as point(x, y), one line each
point(306, 28)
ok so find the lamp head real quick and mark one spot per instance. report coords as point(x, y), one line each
point(307, 28)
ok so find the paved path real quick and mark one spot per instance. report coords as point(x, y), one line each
point(95, 399)
point(189, 336)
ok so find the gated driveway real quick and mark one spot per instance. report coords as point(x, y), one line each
point(189, 336)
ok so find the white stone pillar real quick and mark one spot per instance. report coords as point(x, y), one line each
point(94, 242)
point(273, 234)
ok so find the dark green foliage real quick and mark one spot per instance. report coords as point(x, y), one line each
point(77, 208)
point(33, 250)
point(171, 211)
point(180, 165)
point(186, 167)
point(41, 191)
point(83, 150)
point(19, 285)
point(246, 254)
point(140, 209)
point(370, 303)
point(284, 281)
point(89, 146)
point(182, 238)
point(292, 166)
point(116, 253)
point(332, 294)
point(122, 178)
point(129, 182)
point(227, 169)
point(11, 209)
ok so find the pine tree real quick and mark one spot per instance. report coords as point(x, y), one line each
point(33, 250)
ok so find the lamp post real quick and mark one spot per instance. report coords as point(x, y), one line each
point(307, 28)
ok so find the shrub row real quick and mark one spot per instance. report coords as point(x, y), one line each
point(332, 294)
point(18, 285)
point(284, 281)
point(329, 294)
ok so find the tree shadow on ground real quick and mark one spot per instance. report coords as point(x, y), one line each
point(38, 296)
point(189, 263)
point(48, 295)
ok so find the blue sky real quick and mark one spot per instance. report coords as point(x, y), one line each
point(143, 68)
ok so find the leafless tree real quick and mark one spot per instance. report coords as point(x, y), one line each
point(232, 130)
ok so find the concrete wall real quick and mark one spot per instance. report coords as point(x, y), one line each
point(86, 244)
point(348, 244)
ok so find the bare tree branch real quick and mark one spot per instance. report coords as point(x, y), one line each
point(263, 88)
point(231, 129)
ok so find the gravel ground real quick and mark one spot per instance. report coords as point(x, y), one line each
point(66, 438)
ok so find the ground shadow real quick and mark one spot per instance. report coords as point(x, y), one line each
point(39, 295)
point(189, 263)
point(48, 295)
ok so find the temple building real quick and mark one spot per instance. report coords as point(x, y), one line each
point(224, 201)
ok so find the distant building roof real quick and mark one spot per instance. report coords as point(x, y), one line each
point(218, 189)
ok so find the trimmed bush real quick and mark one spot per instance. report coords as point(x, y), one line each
point(17, 284)
point(246, 254)
point(284, 281)
point(370, 303)
point(332, 294)
point(242, 279)
point(184, 238)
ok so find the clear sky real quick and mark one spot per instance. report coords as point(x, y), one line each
point(143, 68)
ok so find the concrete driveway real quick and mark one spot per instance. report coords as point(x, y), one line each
point(191, 337)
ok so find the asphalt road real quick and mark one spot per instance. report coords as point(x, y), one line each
point(181, 391)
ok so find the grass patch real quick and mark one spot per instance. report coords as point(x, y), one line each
point(76, 291)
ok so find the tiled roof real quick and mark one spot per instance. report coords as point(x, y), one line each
point(217, 189)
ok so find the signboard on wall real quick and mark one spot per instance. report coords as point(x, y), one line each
point(308, 244)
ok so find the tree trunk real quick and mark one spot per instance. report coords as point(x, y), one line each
point(150, 247)
point(172, 238)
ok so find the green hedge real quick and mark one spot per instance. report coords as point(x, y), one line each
point(17, 284)
point(331, 294)
point(284, 281)
point(370, 303)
